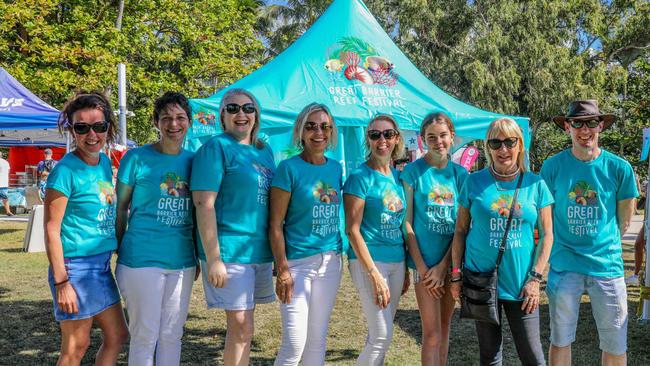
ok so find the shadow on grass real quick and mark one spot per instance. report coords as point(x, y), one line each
point(12, 250)
point(10, 230)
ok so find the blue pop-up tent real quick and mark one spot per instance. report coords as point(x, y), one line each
point(347, 61)
point(24, 118)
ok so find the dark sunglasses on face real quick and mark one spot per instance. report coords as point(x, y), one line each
point(495, 144)
point(233, 108)
point(578, 123)
point(82, 128)
point(313, 126)
point(376, 134)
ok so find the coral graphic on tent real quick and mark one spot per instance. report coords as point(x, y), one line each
point(205, 118)
point(359, 61)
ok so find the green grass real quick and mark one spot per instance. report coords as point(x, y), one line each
point(30, 336)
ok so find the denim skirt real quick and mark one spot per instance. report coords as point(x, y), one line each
point(93, 281)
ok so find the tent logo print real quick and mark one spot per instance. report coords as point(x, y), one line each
point(358, 60)
point(7, 103)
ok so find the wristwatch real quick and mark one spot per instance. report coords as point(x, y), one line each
point(536, 276)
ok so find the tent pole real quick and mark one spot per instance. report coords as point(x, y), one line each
point(121, 92)
point(646, 303)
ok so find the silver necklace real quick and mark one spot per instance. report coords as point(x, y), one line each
point(494, 171)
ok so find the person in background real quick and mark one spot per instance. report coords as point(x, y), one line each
point(80, 234)
point(47, 164)
point(4, 184)
point(594, 194)
point(231, 178)
point(305, 237)
point(374, 213)
point(156, 261)
point(639, 257)
point(485, 203)
point(432, 184)
point(42, 184)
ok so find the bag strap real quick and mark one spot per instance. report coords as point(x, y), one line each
point(502, 246)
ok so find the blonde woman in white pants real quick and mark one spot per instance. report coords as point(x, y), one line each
point(305, 238)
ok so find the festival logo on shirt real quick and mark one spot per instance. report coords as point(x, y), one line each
point(325, 213)
point(501, 206)
point(325, 193)
point(106, 215)
point(582, 210)
point(391, 218)
point(439, 209)
point(174, 205)
point(264, 179)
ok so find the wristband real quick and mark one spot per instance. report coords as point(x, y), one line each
point(455, 270)
point(62, 282)
point(535, 276)
point(371, 270)
point(456, 279)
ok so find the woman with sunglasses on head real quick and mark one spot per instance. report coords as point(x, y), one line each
point(305, 237)
point(486, 200)
point(431, 185)
point(80, 234)
point(231, 178)
point(374, 213)
point(156, 262)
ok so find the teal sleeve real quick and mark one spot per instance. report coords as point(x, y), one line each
point(545, 197)
point(207, 168)
point(408, 175)
point(356, 186)
point(461, 177)
point(463, 198)
point(282, 178)
point(126, 172)
point(546, 173)
point(60, 179)
point(627, 184)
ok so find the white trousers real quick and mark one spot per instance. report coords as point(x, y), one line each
point(157, 302)
point(305, 319)
point(380, 321)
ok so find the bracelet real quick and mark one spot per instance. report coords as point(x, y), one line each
point(456, 279)
point(373, 269)
point(535, 276)
point(455, 270)
point(62, 282)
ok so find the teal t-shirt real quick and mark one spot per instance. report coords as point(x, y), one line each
point(88, 225)
point(586, 236)
point(159, 233)
point(489, 202)
point(383, 213)
point(312, 222)
point(435, 200)
point(241, 175)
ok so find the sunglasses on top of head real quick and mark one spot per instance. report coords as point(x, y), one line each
point(234, 108)
point(82, 128)
point(578, 123)
point(313, 126)
point(495, 144)
point(388, 134)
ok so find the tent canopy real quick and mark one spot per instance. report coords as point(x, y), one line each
point(348, 62)
point(24, 118)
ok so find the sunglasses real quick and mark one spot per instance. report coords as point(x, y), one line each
point(578, 123)
point(495, 144)
point(313, 126)
point(234, 108)
point(83, 128)
point(375, 135)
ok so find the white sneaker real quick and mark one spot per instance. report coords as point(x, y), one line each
point(633, 280)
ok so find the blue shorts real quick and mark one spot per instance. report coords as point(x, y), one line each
point(247, 285)
point(608, 304)
point(4, 193)
point(93, 281)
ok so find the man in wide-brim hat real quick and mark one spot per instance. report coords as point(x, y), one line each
point(594, 194)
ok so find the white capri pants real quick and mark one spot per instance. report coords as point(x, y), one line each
point(380, 321)
point(305, 319)
point(157, 302)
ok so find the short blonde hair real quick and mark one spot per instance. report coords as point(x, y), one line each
point(398, 149)
point(256, 126)
point(303, 116)
point(507, 127)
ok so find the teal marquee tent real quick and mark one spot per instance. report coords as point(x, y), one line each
point(348, 62)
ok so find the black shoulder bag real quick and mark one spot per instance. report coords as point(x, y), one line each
point(479, 297)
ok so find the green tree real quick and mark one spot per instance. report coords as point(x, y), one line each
point(195, 47)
